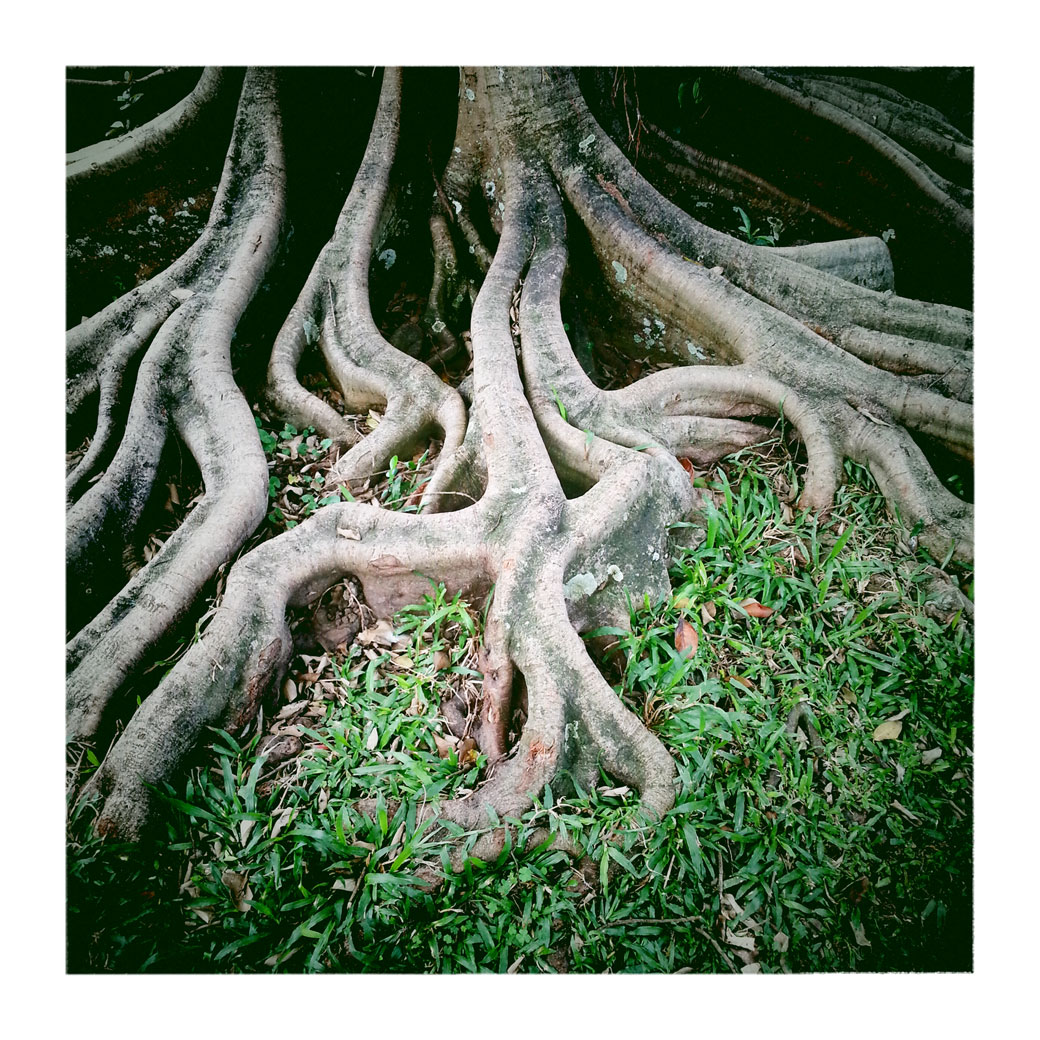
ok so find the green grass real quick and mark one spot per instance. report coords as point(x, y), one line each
point(790, 857)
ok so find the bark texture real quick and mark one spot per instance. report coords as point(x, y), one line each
point(555, 492)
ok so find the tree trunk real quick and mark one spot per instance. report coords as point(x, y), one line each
point(549, 488)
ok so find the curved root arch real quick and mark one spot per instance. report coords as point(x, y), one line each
point(554, 492)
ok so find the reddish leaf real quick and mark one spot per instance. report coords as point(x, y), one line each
point(685, 638)
point(688, 466)
point(756, 609)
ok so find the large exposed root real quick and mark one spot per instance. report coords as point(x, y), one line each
point(97, 162)
point(242, 656)
point(553, 492)
point(813, 296)
point(184, 384)
point(890, 127)
point(333, 311)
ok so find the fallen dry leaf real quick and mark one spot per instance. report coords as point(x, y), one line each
point(381, 633)
point(756, 609)
point(278, 748)
point(238, 886)
point(933, 755)
point(913, 818)
point(685, 638)
point(861, 936)
point(468, 753)
point(441, 660)
point(888, 730)
point(444, 747)
point(781, 941)
point(708, 611)
point(743, 942)
point(688, 466)
point(284, 817)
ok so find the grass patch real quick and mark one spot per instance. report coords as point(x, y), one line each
point(820, 846)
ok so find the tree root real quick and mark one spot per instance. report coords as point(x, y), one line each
point(84, 168)
point(668, 159)
point(553, 492)
point(185, 379)
point(333, 310)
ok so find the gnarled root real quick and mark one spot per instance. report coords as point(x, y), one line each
point(553, 491)
point(184, 382)
point(333, 312)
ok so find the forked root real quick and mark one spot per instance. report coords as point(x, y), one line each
point(224, 678)
point(552, 491)
point(333, 313)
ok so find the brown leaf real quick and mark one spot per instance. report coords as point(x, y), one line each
point(888, 730)
point(238, 886)
point(281, 747)
point(444, 747)
point(685, 638)
point(381, 633)
point(468, 753)
point(756, 609)
point(284, 817)
point(441, 660)
point(912, 817)
point(708, 611)
point(688, 466)
point(743, 942)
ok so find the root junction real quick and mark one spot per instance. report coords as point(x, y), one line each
point(552, 492)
